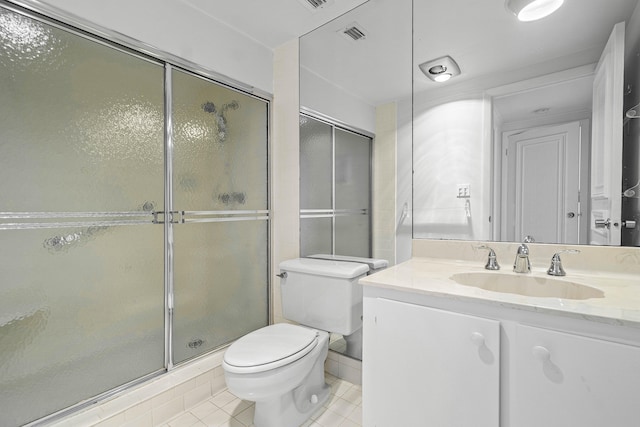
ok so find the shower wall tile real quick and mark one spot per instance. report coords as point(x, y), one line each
point(344, 367)
point(162, 398)
point(185, 387)
point(197, 395)
point(168, 410)
point(114, 421)
point(138, 410)
point(145, 420)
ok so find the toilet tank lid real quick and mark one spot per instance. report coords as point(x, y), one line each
point(322, 267)
point(373, 263)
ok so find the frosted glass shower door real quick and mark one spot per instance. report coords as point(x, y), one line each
point(353, 194)
point(316, 187)
point(81, 261)
point(220, 227)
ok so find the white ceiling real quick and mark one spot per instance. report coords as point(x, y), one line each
point(490, 45)
point(272, 22)
point(571, 96)
point(485, 39)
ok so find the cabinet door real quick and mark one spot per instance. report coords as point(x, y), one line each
point(428, 367)
point(564, 380)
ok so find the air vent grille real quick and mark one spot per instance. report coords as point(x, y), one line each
point(355, 33)
point(316, 3)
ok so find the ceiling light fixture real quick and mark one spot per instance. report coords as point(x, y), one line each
point(531, 10)
point(440, 69)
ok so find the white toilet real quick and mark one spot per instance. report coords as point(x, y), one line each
point(281, 366)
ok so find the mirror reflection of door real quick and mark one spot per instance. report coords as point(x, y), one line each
point(606, 152)
point(542, 175)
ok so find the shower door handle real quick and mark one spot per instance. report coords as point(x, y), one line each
point(175, 217)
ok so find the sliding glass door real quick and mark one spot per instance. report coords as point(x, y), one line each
point(133, 216)
point(221, 229)
point(81, 262)
point(335, 189)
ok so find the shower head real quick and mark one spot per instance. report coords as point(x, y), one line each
point(209, 107)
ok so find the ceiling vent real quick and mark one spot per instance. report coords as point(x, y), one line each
point(354, 32)
point(316, 4)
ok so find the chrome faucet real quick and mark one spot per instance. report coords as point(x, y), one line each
point(492, 260)
point(556, 263)
point(521, 263)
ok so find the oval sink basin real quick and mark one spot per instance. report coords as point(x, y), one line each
point(531, 286)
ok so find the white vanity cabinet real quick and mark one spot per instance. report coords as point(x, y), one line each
point(429, 367)
point(559, 379)
point(427, 364)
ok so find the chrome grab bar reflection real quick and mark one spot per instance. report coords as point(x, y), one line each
point(224, 216)
point(329, 213)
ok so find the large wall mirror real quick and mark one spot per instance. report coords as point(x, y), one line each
point(506, 148)
point(528, 139)
point(356, 71)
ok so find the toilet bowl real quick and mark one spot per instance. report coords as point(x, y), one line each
point(280, 368)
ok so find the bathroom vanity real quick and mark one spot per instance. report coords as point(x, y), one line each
point(441, 353)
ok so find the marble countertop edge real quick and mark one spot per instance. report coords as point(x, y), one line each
point(620, 304)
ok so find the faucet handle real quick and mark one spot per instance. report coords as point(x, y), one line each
point(556, 263)
point(492, 260)
point(529, 239)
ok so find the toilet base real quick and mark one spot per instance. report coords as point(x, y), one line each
point(272, 413)
point(297, 406)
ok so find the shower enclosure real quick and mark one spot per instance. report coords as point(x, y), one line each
point(133, 216)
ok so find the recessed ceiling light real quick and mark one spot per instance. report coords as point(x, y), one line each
point(440, 69)
point(442, 77)
point(531, 10)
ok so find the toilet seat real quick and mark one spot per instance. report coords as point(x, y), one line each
point(269, 348)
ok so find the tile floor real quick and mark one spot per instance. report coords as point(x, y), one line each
point(343, 409)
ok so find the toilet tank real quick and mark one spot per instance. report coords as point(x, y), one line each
point(323, 294)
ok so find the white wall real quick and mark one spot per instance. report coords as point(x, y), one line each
point(181, 31)
point(285, 166)
point(452, 143)
point(322, 96)
point(384, 183)
point(404, 181)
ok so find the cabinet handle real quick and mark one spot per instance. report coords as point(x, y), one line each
point(477, 338)
point(541, 353)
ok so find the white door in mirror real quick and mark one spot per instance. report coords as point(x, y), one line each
point(606, 142)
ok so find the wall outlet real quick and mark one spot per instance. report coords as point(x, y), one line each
point(464, 191)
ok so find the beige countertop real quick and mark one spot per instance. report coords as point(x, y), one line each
point(620, 303)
